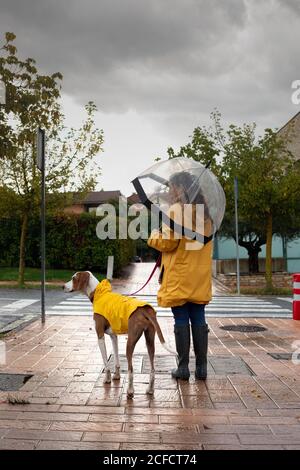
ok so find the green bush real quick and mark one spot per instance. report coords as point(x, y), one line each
point(71, 243)
point(9, 241)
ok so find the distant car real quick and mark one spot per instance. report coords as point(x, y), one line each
point(137, 259)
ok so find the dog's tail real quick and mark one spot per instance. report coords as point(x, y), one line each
point(151, 316)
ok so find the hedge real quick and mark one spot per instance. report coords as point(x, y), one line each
point(71, 243)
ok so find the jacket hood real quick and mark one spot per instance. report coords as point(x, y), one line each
point(103, 287)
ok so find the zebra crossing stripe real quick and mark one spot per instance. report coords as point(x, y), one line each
point(153, 300)
point(18, 305)
point(222, 307)
point(169, 314)
point(285, 299)
point(209, 307)
point(72, 307)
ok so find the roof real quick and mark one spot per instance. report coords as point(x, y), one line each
point(134, 198)
point(98, 197)
point(291, 131)
point(289, 122)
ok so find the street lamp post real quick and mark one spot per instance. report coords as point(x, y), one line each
point(236, 196)
point(41, 167)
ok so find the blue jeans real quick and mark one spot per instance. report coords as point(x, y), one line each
point(189, 312)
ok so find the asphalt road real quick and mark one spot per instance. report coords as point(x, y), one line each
point(21, 305)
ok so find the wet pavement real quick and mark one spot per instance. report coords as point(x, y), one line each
point(251, 399)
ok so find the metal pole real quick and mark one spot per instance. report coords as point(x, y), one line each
point(284, 252)
point(43, 236)
point(237, 235)
point(41, 166)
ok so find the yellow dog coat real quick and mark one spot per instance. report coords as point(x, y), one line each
point(116, 308)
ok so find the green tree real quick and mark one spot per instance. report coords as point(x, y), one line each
point(32, 101)
point(269, 183)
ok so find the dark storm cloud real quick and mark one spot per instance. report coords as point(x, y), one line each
point(164, 56)
point(125, 48)
point(294, 5)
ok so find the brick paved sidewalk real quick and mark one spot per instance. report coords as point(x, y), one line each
point(250, 400)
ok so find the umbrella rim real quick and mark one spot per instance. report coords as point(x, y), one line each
point(178, 228)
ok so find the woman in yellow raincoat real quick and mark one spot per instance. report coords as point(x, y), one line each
point(186, 279)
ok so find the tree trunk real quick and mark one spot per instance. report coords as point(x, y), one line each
point(253, 261)
point(269, 283)
point(253, 250)
point(22, 249)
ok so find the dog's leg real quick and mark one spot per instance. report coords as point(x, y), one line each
point(134, 333)
point(129, 353)
point(102, 347)
point(100, 328)
point(149, 336)
point(114, 340)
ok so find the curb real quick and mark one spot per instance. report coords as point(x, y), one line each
point(18, 324)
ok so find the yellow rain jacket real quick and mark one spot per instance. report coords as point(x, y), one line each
point(186, 274)
point(116, 308)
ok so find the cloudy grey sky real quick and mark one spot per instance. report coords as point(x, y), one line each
point(156, 69)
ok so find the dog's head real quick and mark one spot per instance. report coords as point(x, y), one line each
point(79, 282)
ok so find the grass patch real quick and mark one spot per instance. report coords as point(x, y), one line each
point(15, 285)
point(34, 275)
point(264, 291)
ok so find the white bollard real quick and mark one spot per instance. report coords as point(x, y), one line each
point(296, 301)
point(110, 267)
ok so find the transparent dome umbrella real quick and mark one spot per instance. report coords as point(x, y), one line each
point(183, 182)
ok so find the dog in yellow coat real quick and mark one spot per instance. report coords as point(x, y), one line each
point(116, 314)
point(116, 308)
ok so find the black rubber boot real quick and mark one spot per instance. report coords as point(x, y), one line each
point(182, 340)
point(200, 341)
